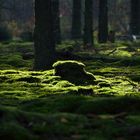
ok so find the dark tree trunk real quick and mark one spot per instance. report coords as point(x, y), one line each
point(44, 35)
point(103, 21)
point(56, 13)
point(76, 20)
point(88, 25)
point(135, 17)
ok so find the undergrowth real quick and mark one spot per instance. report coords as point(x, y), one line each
point(39, 105)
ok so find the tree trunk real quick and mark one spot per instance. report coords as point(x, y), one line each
point(44, 35)
point(103, 21)
point(56, 13)
point(88, 25)
point(76, 20)
point(135, 17)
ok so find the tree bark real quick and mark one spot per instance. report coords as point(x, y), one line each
point(103, 21)
point(135, 17)
point(44, 35)
point(88, 25)
point(76, 20)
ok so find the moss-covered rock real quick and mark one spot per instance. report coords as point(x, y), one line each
point(74, 72)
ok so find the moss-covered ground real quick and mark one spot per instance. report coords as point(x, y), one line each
point(36, 105)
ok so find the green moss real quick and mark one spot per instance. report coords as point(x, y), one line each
point(29, 79)
point(122, 53)
point(64, 84)
point(10, 71)
point(14, 131)
point(68, 63)
point(14, 60)
point(69, 46)
point(50, 79)
point(3, 78)
point(135, 78)
point(104, 84)
point(15, 94)
point(110, 105)
point(41, 105)
point(6, 66)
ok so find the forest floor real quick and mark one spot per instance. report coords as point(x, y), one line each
point(36, 105)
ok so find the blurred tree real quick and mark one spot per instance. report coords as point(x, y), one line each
point(66, 18)
point(21, 12)
point(56, 15)
point(118, 15)
point(135, 17)
point(76, 19)
point(44, 35)
point(88, 25)
point(103, 21)
point(1, 7)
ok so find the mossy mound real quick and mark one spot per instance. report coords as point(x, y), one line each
point(74, 72)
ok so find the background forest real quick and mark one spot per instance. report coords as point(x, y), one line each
point(70, 69)
point(18, 16)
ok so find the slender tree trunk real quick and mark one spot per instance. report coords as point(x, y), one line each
point(44, 35)
point(88, 26)
point(56, 13)
point(103, 21)
point(135, 17)
point(76, 20)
